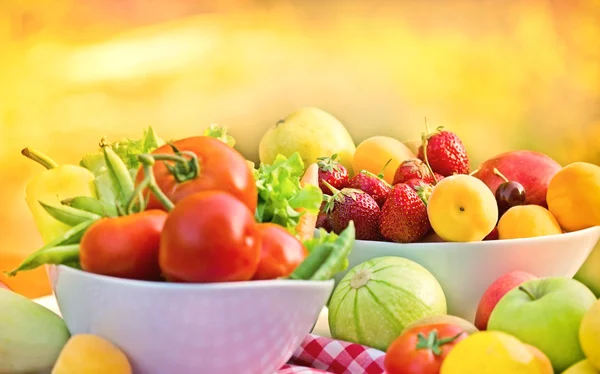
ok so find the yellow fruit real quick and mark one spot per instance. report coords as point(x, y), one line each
point(574, 196)
point(462, 209)
point(542, 360)
point(581, 367)
point(490, 352)
point(589, 335)
point(413, 145)
point(527, 221)
point(311, 132)
point(372, 154)
point(90, 354)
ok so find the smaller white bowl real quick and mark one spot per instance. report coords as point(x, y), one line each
point(240, 327)
point(466, 270)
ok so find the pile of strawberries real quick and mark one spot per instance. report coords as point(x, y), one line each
point(385, 212)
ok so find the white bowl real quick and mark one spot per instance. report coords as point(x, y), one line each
point(239, 327)
point(465, 270)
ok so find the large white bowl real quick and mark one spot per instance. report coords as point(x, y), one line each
point(239, 327)
point(465, 270)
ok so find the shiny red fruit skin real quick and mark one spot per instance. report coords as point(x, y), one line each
point(377, 188)
point(404, 216)
point(446, 154)
point(363, 210)
point(124, 247)
point(280, 253)
point(209, 236)
point(222, 168)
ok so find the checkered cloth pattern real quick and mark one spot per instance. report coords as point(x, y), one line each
point(318, 355)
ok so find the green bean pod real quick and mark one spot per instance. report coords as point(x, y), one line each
point(62, 254)
point(338, 259)
point(38, 258)
point(91, 205)
point(68, 215)
point(312, 262)
point(119, 176)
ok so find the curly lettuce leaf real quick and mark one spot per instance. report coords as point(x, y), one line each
point(127, 149)
point(280, 193)
point(220, 133)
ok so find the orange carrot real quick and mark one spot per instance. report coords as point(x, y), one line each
point(308, 221)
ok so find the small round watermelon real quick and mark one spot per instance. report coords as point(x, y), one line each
point(377, 299)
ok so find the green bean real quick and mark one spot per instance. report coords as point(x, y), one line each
point(92, 205)
point(37, 258)
point(119, 175)
point(62, 254)
point(338, 259)
point(313, 261)
point(68, 215)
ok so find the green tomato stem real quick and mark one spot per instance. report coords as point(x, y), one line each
point(149, 181)
point(39, 157)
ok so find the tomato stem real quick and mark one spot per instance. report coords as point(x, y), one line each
point(184, 169)
point(39, 157)
point(433, 343)
point(149, 182)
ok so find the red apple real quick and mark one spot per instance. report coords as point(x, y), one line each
point(494, 293)
point(532, 169)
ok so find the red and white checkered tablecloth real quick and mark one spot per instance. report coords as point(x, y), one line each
point(318, 354)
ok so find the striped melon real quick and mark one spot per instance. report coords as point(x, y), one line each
point(377, 299)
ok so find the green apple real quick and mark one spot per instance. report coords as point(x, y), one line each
point(589, 273)
point(546, 313)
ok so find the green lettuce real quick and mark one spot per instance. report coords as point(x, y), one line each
point(280, 193)
point(127, 150)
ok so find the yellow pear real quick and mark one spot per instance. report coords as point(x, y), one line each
point(311, 132)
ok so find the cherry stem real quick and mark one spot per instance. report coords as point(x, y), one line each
point(474, 172)
point(498, 173)
point(331, 188)
point(149, 182)
point(39, 157)
point(425, 139)
point(529, 293)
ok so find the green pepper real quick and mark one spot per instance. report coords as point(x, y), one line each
point(57, 183)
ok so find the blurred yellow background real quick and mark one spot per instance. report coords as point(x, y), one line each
point(503, 75)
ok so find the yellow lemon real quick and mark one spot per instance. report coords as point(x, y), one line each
point(490, 352)
point(527, 221)
point(373, 154)
point(581, 367)
point(589, 335)
point(462, 208)
point(90, 354)
point(574, 196)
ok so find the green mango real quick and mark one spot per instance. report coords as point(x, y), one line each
point(31, 336)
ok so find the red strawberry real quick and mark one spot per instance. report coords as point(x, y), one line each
point(323, 220)
point(354, 205)
point(446, 153)
point(422, 188)
point(404, 215)
point(414, 168)
point(372, 184)
point(332, 172)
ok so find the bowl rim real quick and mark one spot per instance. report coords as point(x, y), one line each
point(215, 286)
point(486, 243)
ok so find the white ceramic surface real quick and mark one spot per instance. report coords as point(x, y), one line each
point(242, 327)
point(465, 270)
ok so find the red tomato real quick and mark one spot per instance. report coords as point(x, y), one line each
point(221, 168)
point(209, 236)
point(280, 252)
point(124, 247)
point(422, 349)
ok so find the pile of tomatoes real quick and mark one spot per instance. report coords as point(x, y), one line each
point(209, 235)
